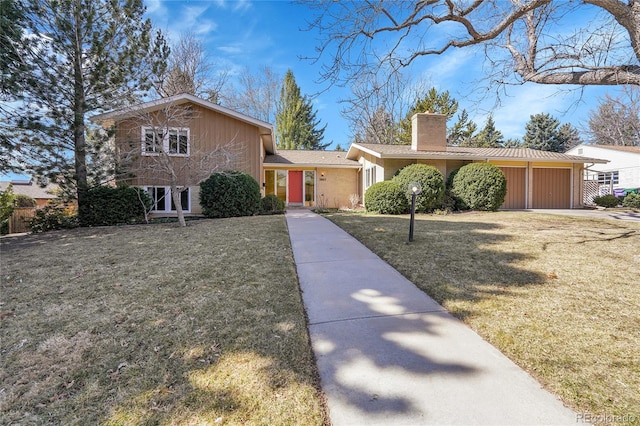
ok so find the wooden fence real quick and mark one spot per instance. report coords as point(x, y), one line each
point(17, 221)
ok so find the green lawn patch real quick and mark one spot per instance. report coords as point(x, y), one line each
point(558, 295)
point(156, 324)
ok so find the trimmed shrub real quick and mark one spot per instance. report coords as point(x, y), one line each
point(52, 217)
point(271, 204)
point(230, 194)
point(480, 186)
point(113, 206)
point(432, 183)
point(631, 200)
point(386, 198)
point(606, 201)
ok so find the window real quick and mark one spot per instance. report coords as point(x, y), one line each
point(608, 178)
point(162, 201)
point(281, 184)
point(309, 187)
point(369, 176)
point(174, 141)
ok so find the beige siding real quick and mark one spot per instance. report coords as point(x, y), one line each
point(337, 186)
point(391, 166)
point(516, 187)
point(551, 188)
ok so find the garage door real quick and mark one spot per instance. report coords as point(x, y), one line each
point(516, 187)
point(551, 189)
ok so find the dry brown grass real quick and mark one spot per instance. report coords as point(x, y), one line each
point(559, 295)
point(156, 324)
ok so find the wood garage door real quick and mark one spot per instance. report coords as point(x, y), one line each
point(516, 187)
point(551, 189)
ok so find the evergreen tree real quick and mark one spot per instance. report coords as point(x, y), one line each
point(570, 136)
point(432, 101)
point(543, 133)
point(463, 131)
point(83, 57)
point(296, 122)
point(512, 143)
point(489, 136)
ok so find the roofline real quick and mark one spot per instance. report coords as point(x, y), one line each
point(317, 165)
point(442, 155)
point(182, 98)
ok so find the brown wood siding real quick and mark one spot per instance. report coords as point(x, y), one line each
point(551, 188)
point(208, 130)
point(516, 187)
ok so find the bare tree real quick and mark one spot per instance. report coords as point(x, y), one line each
point(191, 70)
point(379, 102)
point(257, 95)
point(545, 41)
point(616, 120)
point(162, 154)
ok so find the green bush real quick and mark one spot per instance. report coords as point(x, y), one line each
point(386, 198)
point(230, 194)
point(271, 204)
point(606, 201)
point(51, 217)
point(7, 199)
point(113, 206)
point(432, 183)
point(25, 201)
point(631, 200)
point(480, 186)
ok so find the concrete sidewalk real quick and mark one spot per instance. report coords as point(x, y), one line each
point(389, 355)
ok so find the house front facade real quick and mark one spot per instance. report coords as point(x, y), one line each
point(182, 140)
point(535, 179)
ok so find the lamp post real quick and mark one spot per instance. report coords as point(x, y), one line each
point(415, 188)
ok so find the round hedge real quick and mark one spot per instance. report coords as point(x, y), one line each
point(480, 186)
point(271, 204)
point(432, 183)
point(112, 206)
point(386, 198)
point(631, 200)
point(230, 194)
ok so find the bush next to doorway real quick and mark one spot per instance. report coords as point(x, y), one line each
point(271, 204)
point(230, 194)
point(479, 186)
point(386, 198)
point(432, 183)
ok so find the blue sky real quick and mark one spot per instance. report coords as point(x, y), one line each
point(256, 33)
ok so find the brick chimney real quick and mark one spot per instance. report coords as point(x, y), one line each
point(429, 132)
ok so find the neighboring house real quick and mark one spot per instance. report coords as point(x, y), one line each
point(620, 175)
point(312, 178)
point(196, 136)
point(42, 195)
point(535, 179)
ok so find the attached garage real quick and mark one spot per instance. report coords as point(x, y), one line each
point(516, 187)
point(551, 188)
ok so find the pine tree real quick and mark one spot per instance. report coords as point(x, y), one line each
point(543, 133)
point(89, 56)
point(489, 136)
point(432, 101)
point(296, 122)
point(463, 131)
point(570, 136)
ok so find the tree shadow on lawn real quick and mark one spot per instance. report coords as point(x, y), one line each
point(448, 260)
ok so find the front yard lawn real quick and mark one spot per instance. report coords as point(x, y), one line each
point(558, 295)
point(156, 324)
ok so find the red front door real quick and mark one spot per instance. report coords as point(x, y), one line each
point(295, 186)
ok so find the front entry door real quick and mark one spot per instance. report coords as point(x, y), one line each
point(295, 186)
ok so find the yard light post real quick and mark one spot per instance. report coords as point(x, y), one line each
point(414, 189)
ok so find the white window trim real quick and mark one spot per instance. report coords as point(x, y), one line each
point(168, 199)
point(165, 140)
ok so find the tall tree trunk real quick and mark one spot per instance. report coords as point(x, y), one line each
point(79, 108)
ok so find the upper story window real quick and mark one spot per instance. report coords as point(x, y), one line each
point(173, 141)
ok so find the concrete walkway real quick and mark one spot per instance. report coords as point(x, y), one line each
point(389, 355)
